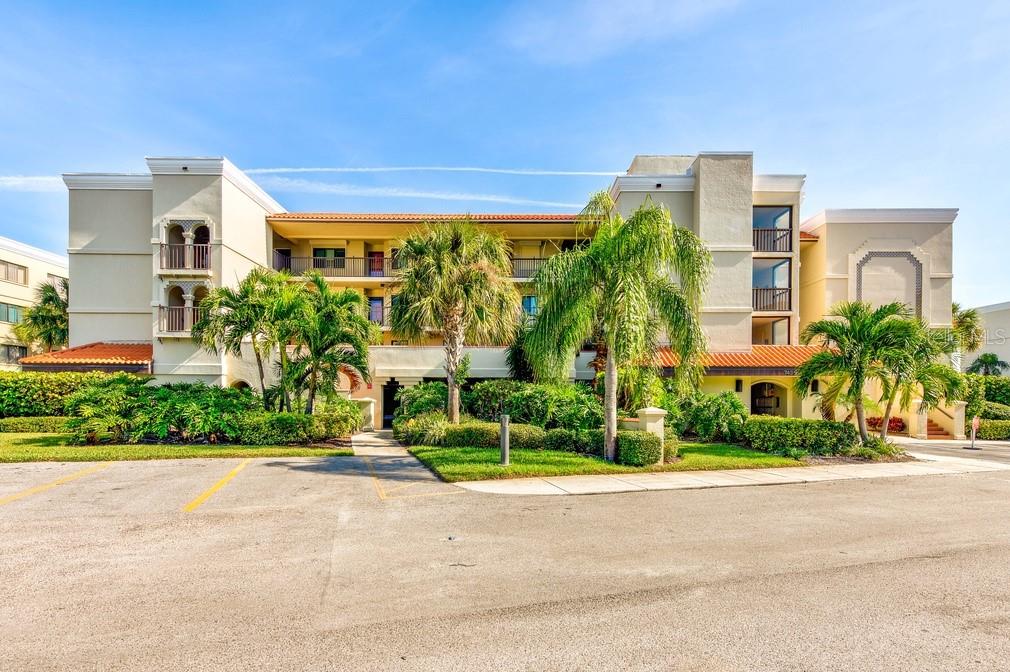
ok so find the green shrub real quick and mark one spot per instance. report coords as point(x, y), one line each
point(570, 405)
point(974, 394)
point(422, 398)
point(526, 437)
point(275, 429)
point(426, 429)
point(340, 418)
point(997, 388)
point(29, 393)
point(637, 448)
point(993, 411)
point(574, 440)
point(993, 430)
point(486, 435)
point(718, 417)
point(42, 424)
point(488, 399)
point(671, 445)
point(795, 436)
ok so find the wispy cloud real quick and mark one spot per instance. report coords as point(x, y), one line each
point(297, 185)
point(579, 31)
point(434, 169)
point(37, 183)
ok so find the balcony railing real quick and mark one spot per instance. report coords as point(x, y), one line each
point(183, 257)
point(374, 267)
point(773, 240)
point(178, 319)
point(526, 267)
point(772, 298)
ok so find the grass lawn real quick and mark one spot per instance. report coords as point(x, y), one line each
point(55, 448)
point(475, 464)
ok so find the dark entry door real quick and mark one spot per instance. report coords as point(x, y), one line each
point(389, 403)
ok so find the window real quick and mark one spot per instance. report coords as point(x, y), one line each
point(771, 273)
point(773, 216)
point(328, 257)
point(770, 331)
point(12, 354)
point(375, 309)
point(530, 305)
point(54, 279)
point(11, 313)
point(12, 272)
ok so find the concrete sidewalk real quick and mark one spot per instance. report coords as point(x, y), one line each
point(679, 480)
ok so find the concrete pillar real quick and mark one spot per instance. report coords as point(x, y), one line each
point(187, 313)
point(188, 236)
point(957, 410)
point(651, 420)
point(917, 420)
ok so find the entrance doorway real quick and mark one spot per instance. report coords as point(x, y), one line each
point(389, 402)
point(767, 399)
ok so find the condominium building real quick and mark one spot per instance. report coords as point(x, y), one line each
point(22, 269)
point(145, 249)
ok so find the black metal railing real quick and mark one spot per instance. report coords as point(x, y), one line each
point(773, 240)
point(178, 319)
point(772, 298)
point(526, 267)
point(337, 267)
point(182, 256)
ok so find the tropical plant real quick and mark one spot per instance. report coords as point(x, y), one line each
point(966, 328)
point(856, 339)
point(454, 278)
point(988, 364)
point(47, 324)
point(621, 288)
point(516, 358)
point(331, 340)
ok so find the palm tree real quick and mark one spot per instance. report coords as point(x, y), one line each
point(620, 288)
point(47, 323)
point(916, 372)
point(332, 340)
point(988, 364)
point(966, 327)
point(454, 278)
point(232, 315)
point(857, 340)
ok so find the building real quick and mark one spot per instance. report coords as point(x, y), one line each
point(194, 223)
point(22, 269)
point(996, 323)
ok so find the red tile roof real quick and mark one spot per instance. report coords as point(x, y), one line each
point(760, 357)
point(407, 217)
point(96, 353)
point(806, 235)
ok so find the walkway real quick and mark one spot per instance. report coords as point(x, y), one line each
point(929, 464)
point(396, 474)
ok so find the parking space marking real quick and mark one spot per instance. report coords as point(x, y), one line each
point(52, 484)
point(385, 495)
point(195, 504)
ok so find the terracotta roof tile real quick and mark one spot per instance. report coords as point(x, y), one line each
point(407, 217)
point(760, 357)
point(96, 353)
point(806, 235)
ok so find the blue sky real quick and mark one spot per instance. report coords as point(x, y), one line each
point(881, 104)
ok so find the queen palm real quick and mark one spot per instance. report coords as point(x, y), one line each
point(857, 340)
point(454, 279)
point(331, 340)
point(966, 326)
point(620, 289)
point(47, 324)
point(988, 364)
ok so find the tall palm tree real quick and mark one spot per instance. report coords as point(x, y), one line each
point(988, 364)
point(231, 315)
point(857, 340)
point(620, 289)
point(966, 326)
point(917, 372)
point(454, 278)
point(332, 340)
point(47, 323)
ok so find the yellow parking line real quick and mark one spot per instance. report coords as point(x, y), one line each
point(52, 484)
point(195, 504)
point(375, 479)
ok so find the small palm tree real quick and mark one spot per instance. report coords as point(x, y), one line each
point(966, 327)
point(619, 289)
point(988, 364)
point(857, 340)
point(332, 340)
point(454, 278)
point(47, 323)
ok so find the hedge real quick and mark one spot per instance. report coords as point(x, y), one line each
point(42, 424)
point(974, 394)
point(568, 406)
point(574, 441)
point(790, 436)
point(33, 394)
point(993, 411)
point(993, 430)
point(486, 435)
point(275, 429)
point(997, 388)
point(638, 448)
point(424, 429)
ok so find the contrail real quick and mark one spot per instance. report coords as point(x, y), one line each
point(436, 169)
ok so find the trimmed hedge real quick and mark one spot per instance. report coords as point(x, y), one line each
point(574, 441)
point(997, 388)
point(637, 448)
point(486, 435)
point(569, 406)
point(42, 424)
point(992, 411)
point(993, 430)
point(35, 394)
point(793, 436)
point(422, 398)
point(275, 429)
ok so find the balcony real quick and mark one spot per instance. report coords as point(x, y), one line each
point(178, 319)
point(526, 267)
point(184, 257)
point(773, 240)
point(523, 268)
point(772, 299)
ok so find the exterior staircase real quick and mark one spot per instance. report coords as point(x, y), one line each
point(936, 432)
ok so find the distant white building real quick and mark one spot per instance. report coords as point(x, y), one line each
point(22, 269)
point(996, 322)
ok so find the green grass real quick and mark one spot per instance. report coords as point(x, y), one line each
point(55, 448)
point(475, 464)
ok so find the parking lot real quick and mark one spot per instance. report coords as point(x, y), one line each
point(371, 563)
